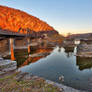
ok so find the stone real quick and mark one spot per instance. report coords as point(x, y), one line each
point(61, 78)
point(7, 65)
point(22, 76)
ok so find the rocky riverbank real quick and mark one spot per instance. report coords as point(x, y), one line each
point(23, 82)
point(12, 80)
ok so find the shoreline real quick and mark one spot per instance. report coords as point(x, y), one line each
point(20, 76)
point(61, 87)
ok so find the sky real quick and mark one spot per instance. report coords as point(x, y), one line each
point(66, 16)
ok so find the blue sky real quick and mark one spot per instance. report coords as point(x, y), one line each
point(66, 16)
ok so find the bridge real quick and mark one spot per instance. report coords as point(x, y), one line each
point(12, 35)
point(9, 33)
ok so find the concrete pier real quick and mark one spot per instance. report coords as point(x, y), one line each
point(28, 45)
point(12, 48)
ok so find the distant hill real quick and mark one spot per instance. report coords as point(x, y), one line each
point(84, 35)
point(13, 20)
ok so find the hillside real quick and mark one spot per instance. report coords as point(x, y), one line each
point(80, 36)
point(13, 20)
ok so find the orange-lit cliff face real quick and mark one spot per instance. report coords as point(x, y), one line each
point(13, 19)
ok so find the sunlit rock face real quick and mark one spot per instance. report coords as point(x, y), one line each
point(13, 19)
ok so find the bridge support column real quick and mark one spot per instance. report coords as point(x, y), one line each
point(28, 39)
point(12, 48)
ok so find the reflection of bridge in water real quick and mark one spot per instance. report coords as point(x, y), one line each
point(69, 51)
point(36, 54)
point(11, 36)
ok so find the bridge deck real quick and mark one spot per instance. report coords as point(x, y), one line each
point(12, 34)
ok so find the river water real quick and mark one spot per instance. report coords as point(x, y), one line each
point(58, 62)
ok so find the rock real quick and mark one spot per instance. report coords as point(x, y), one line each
point(7, 65)
point(35, 77)
point(22, 76)
point(61, 89)
point(51, 82)
point(61, 78)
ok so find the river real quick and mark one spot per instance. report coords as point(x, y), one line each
point(58, 61)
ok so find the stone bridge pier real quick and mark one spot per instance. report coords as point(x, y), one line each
point(12, 46)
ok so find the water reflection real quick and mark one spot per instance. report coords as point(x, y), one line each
point(69, 51)
point(84, 63)
point(43, 52)
point(57, 64)
point(59, 49)
point(52, 63)
point(21, 55)
point(23, 58)
point(31, 60)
